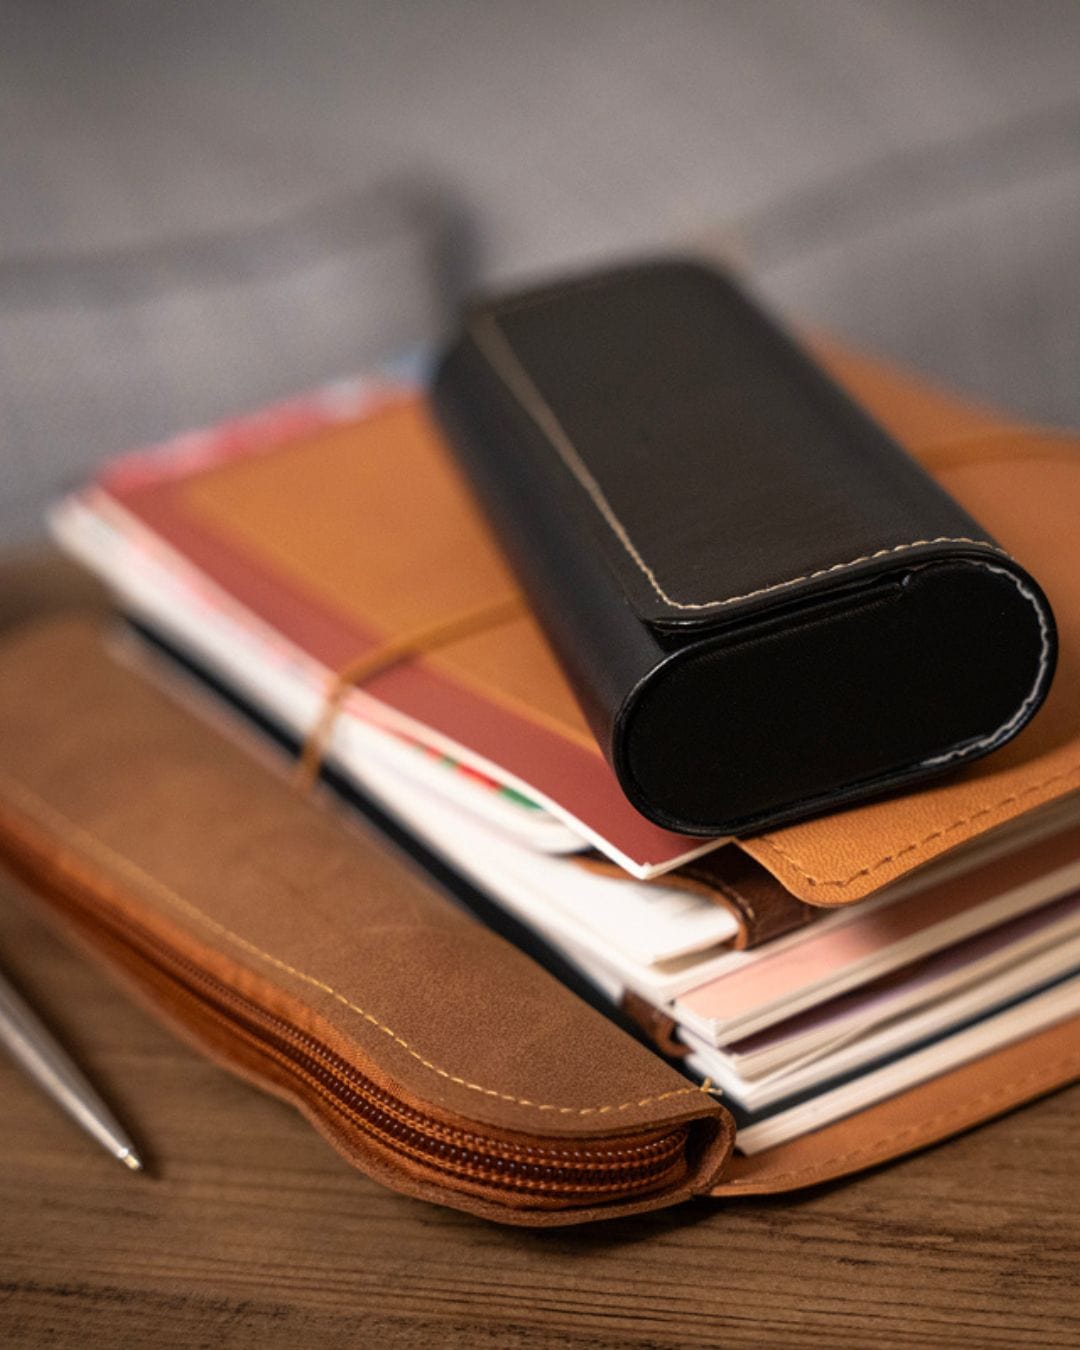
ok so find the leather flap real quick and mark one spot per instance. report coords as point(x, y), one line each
point(652, 386)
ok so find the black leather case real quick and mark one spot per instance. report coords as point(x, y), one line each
point(765, 606)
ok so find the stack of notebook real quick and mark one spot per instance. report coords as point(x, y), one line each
point(806, 973)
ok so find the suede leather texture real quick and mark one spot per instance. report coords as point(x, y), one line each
point(112, 788)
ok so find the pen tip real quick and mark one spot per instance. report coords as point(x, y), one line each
point(131, 1159)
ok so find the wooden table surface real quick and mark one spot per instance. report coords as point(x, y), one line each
point(248, 1230)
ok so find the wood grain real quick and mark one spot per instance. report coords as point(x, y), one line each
point(249, 1231)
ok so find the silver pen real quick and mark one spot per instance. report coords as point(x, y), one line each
point(46, 1061)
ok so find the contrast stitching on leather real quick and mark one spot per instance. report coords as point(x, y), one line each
point(505, 362)
point(918, 843)
point(1020, 716)
point(1047, 1074)
point(50, 817)
point(737, 898)
point(524, 389)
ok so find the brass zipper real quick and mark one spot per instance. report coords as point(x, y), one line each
point(549, 1173)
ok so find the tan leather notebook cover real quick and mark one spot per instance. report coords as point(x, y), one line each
point(346, 534)
point(297, 949)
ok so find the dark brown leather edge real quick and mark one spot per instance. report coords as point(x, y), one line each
point(728, 877)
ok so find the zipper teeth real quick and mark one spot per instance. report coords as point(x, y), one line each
point(464, 1154)
point(495, 1151)
point(544, 1170)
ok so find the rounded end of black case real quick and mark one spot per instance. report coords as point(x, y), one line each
point(840, 697)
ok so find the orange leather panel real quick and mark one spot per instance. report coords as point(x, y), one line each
point(432, 555)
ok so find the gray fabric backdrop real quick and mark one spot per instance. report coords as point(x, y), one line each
point(210, 204)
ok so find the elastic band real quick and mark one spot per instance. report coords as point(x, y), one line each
point(390, 653)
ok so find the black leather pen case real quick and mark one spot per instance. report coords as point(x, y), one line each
point(765, 606)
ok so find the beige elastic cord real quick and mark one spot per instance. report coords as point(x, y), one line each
point(417, 643)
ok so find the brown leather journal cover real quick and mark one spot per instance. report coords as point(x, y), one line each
point(297, 950)
point(364, 531)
